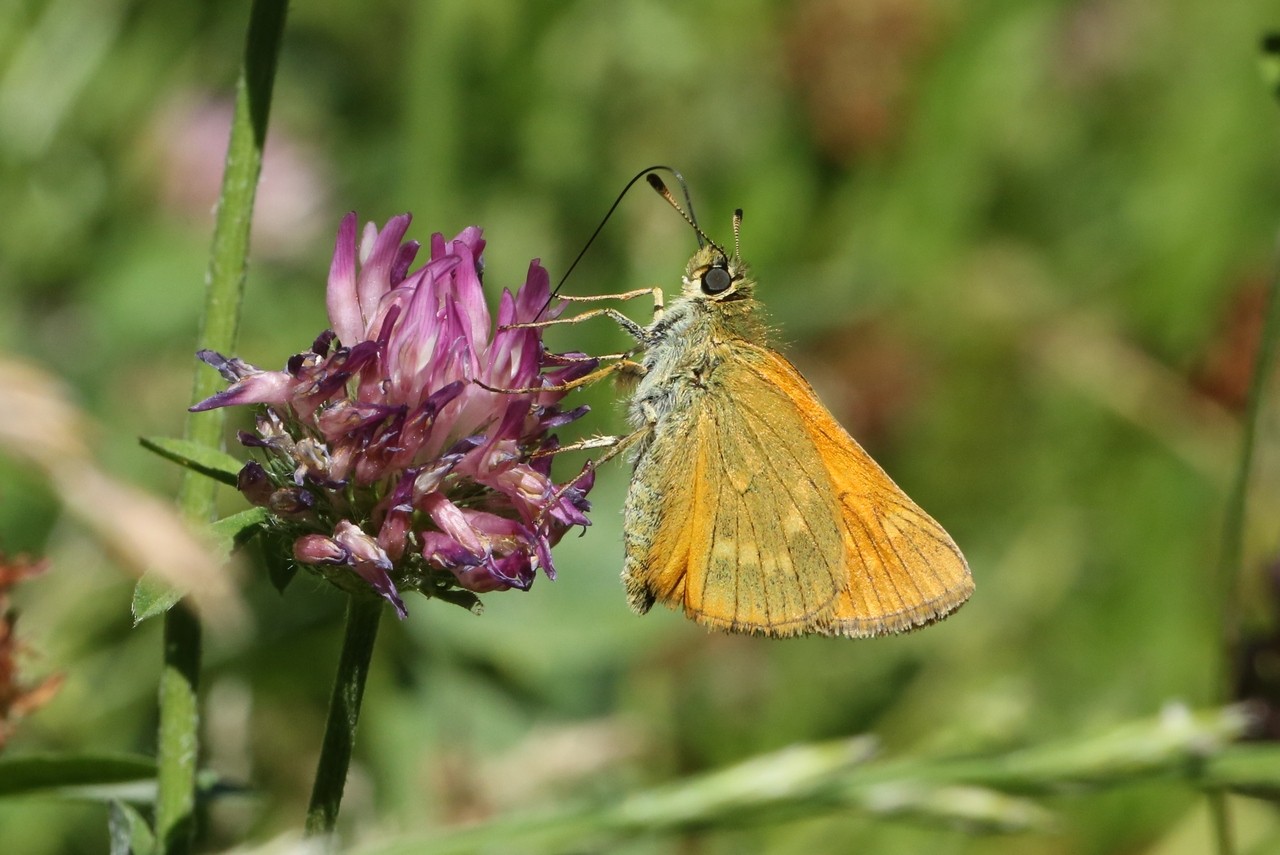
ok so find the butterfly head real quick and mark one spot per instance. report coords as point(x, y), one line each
point(716, 276)
point(712, 275)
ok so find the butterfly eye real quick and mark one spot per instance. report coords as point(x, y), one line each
point(716, 280)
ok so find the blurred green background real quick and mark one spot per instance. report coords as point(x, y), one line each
point(1019, 247)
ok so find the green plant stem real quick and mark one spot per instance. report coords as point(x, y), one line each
point(363, 613)
point(1221, 817)
point(178, 748)
point(178, 751)
point(1231, 562)
point(992, 793)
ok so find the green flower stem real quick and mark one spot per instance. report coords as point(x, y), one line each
point(178, 750)
point(179, 717)
point(1231, 561)
point(363, 613)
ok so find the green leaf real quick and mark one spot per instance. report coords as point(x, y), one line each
point(235, 531)
point(1253, 768)
point(152, 597)
point(129, 832)
point(207, 461)
point(94, 777)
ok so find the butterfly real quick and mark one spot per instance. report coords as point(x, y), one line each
point(750, 508)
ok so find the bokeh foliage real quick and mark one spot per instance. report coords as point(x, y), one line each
point(1018, 247)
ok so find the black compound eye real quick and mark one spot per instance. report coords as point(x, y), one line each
point(716, 280)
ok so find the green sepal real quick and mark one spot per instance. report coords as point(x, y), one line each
point(459, 597)
point(277, 554)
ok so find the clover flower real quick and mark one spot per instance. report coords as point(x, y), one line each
point(385, 458)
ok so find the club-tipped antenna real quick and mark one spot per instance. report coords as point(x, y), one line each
point(649, 170)
point(656, 183)
point(737, 233)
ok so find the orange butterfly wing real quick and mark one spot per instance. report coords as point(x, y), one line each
point(754, 511)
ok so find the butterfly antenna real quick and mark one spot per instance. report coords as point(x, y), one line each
point(649, 170)
point(737, 234)
point(656, 183)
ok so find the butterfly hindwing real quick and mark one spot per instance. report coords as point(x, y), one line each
point(756, 512)
point(902, 568)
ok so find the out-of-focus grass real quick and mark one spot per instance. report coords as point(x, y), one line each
point(1016, 247)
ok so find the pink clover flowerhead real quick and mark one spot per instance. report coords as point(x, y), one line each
point(391, 455)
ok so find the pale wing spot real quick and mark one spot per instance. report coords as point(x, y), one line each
point(740, 569)
point(804, 477)
point(887, 547)
point(888, 557)
point(926, 524)
point(859, 535)
point(927, 608)
point(699, 580)
point(724, 549)
point(935, 548)
point(794, 522)
point(789, 531)
point(774, 553)
point(922, 566)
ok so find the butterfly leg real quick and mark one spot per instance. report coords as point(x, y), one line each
point(625, 295)
point(570, 358)
point(622, 366)
point(615, 444)
point(655, 292)
point(633, 329)
point(589, 444)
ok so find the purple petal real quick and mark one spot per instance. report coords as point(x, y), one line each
point(375, 272)
point(555, 419)
point(453, 522)
point(515, 570)
point(370, 561)
point(443, 551)
point(542, 549)
point(318, 549)
point(468, 304)
point(340, 298)
point(393, 534)
point(496, 574)
point(268, 387)
point(535, 293)
point(404, 259)
point(231, 368)
point(380, 581)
